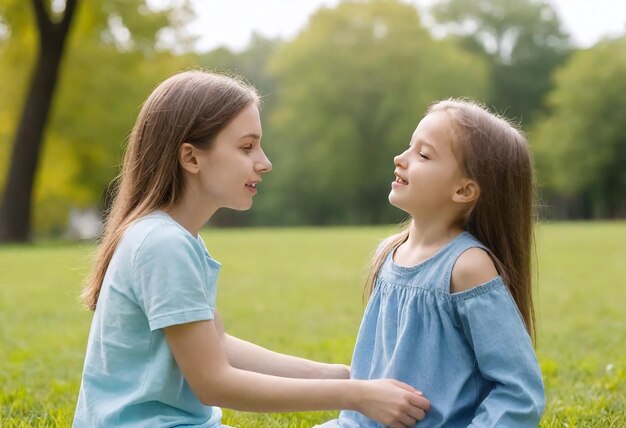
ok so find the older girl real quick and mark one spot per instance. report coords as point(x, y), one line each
point(157, 354)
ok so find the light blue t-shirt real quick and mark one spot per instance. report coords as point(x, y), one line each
point(469, 352)
point(160, 275)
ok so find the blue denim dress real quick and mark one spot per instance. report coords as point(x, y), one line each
point(468, 352)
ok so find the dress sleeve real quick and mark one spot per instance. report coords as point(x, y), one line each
point(173, 281)
point(504, 354)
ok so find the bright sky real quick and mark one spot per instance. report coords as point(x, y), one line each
point(231, 22)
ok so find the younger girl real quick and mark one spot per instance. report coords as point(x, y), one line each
point(450, 308)
point(157, 354)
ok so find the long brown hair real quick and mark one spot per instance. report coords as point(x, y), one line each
point(496, 155)
point(191, 106)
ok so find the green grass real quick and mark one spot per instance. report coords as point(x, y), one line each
point(299, 291)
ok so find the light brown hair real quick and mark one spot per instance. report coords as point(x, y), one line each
point(192, 107)
point(496, 155)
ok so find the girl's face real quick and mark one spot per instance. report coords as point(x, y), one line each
point(231, 169)
point(427, 172)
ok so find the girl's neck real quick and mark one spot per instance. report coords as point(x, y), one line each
point(424, 234)
point(424, 240)
point(189, 214)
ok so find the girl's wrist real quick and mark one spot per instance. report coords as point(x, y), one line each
point(342, 371)
point(356, 395)
point(334, 371)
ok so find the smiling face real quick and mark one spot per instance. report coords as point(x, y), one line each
point(427, 172)
point(229, 171)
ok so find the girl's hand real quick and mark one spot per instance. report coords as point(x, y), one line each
point(392, 403)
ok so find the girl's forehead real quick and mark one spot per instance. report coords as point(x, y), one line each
point(246, 122)
point(436, 129)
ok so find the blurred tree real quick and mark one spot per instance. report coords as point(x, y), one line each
point(252, 63)
point(15, 208)
point(118, 51)
point(352, 87)
point(580, 143)
point(523, 41)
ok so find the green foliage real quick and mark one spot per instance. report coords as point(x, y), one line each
point(97, 100)
point(523, 41)
point(352, 87)
point(252, 63)
point(581, 146)
point(13, 73)
point(281, 299)
point(340, 100)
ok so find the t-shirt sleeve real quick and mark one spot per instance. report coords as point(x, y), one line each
point(504, 355)
point(173, 281)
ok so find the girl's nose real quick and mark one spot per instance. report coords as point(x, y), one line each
point(399, 161)
point(263, 165)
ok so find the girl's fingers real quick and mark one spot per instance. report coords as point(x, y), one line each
point(408, 420)
point(420, 401)
point(417, 414)
point(407, 387)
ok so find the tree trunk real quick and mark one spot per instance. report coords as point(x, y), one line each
point(15, 209)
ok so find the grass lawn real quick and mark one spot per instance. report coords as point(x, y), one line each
point(298, 291)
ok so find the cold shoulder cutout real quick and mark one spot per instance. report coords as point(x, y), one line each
point(472, 268)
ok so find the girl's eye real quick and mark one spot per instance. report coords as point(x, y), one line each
point(423, 156)
point(247, 147)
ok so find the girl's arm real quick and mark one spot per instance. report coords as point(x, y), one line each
point(502, 347)
point(198, 351)
point(248, 356)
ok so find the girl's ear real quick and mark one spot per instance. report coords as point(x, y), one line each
point(187, 156)
point(467, 191)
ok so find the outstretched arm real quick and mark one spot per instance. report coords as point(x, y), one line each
point(198, 351)
point(248, 356)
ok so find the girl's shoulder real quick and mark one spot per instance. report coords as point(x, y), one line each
point(157, 231)
point(473, 267)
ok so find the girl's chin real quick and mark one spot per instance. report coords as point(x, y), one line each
point(243, 207)
point(393, 200)
point(396, 202)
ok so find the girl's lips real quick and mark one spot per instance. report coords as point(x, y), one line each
point(399, 178)
point(399, 181)
point(251, 187)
